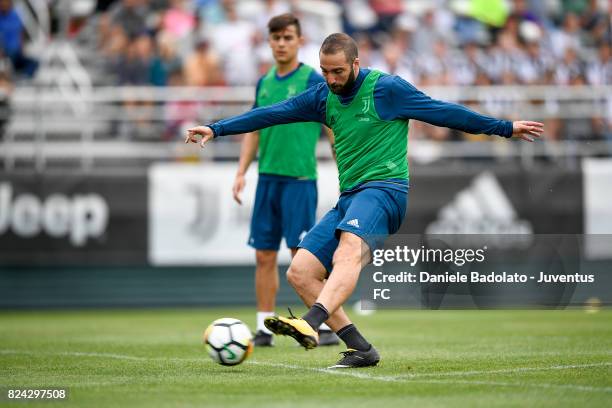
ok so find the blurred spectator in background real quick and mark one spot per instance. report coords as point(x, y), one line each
point(599, 69)
point(427, 34)
point(133, 66)
point(504, 57)
point(570, 69)
point(6, 88)
point(469, 65)
point(165, 61)
point(599, 73)
point(436, 68)
point(308, 54)
point(597, 23)
point(133, 70)
point(179, 22)
point(403, 34)
point(271, 8)
point(103, 5)
point(387, 11)
point(203, 67)
point(210, 11)
point(522, 11)
point(393, 64)
point(179, 114)
point(573, 6)
point(11, 39)
point(357, 16)
point(113, 44)
point(535, 62)
point(131, 16)
point(568, 36)
point(368, 55)
point(233, 40)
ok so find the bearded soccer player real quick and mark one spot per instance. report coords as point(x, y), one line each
point(286, 195)
point(368, 112)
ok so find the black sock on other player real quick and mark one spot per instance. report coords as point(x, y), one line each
point(352, 338)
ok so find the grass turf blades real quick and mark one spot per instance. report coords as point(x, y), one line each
point(429, 358)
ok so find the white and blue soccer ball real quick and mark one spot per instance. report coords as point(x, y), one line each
point(228, 341)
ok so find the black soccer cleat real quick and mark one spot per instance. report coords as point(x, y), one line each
point(352, 358)
point(262, 339)
point(328, 338)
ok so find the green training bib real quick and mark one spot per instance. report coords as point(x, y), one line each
point(287, 150)
point(367, 147)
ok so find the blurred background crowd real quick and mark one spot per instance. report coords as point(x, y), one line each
point(223, 42)
point(429, 43)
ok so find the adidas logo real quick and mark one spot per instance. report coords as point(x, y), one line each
point(354, 222)
point(482, 208)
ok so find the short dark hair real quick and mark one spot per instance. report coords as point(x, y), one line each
point(282, 21)
point(337, 42)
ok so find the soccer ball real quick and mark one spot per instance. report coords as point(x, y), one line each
point(228, 341)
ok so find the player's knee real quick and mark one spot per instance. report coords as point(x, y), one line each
point(293, 276)
point(265, 258)
point(296, 275)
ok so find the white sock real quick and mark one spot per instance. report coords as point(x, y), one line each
point(325, 327)
point(260, 321)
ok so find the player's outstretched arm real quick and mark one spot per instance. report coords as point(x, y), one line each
point(308, 106)
point(527, 130)
point(407, 102)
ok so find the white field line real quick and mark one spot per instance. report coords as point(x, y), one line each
point(419, 378)
point(406, 378)
point(572, 387)
point(75, 354)
point(346, 373)
point(506, 370)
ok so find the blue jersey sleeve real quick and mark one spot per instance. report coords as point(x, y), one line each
point(395, 98)
point(308, 106)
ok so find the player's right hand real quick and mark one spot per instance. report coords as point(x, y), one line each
point(527, 130)
point(239, 184)
point(204, 131)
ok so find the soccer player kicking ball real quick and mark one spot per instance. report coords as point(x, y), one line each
point(286, 196)
point(368, 112)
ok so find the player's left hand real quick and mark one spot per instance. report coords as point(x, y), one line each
point(204, 131)
point(239, 183)
point(527, 130)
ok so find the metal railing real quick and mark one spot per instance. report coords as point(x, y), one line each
point(123, 125)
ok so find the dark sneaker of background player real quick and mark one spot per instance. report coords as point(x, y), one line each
point(262, 339)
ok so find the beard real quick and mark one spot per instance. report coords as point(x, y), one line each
point(346, 88)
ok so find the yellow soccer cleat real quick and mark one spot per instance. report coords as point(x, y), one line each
point(295, 327)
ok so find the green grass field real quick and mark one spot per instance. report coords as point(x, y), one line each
point(429, 359)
